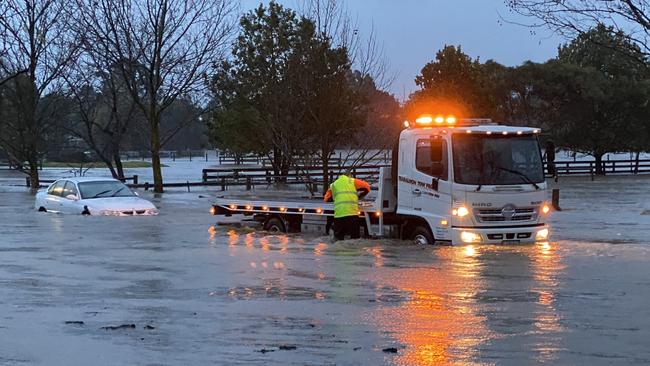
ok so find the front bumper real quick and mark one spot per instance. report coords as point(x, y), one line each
point(500, 235)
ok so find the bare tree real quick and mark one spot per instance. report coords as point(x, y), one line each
point(104, 109)
point(164, 50)
point(36, 46)
point(366, 52)
point(573, 17)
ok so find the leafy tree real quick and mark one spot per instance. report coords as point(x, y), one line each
point(594, 100)
point(255, 89)
point(452, 83)
point(290, 87)
point(336, 107)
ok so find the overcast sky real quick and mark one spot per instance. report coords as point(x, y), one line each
point(412, 31)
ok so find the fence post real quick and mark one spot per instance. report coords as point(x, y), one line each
point(223, 183)
point(613, 166)
point(27, 182)
point(204, 176)
point(135, 179)
point(248, 183)
point(555, 199)
point(591, 171)
point(146, 186)
point(188, 186)
point(206, 156)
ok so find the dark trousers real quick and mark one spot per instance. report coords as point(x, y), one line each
point(348, 225)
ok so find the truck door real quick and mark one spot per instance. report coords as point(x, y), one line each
point(402, 173)
point(432, 196)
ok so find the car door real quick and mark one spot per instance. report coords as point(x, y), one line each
point(70, 205)
point(53, 200)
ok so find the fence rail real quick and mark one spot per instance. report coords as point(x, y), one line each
point(306, 175)
point(617, 167)
point(312, 176)
point(232, 159)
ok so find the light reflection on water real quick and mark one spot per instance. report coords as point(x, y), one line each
point(439, 321)
point(440, 305)
point(457, 304)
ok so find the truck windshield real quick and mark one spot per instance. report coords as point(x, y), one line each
point(495, 160)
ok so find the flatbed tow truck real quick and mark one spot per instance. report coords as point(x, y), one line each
point(450, 181)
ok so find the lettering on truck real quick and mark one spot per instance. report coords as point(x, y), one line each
point(419, 184)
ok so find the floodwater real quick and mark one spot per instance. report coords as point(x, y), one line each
point(197, 293)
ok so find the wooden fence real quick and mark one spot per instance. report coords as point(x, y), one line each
point(312, 176)
point(609, 167)
point(309, 175)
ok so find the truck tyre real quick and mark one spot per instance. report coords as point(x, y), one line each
point(421, 235)
point(275, 225)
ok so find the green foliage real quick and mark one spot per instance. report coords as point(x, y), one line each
point(286, 91)
point(453, 82)
point(593, 98)
point(255, 92)
point(596, 94)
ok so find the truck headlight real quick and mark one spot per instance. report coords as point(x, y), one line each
point(461, 211)
point(546, 209)
point(542, 234)
point(470, 237)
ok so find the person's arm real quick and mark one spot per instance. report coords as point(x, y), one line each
point(363, 186)
point(328, 195)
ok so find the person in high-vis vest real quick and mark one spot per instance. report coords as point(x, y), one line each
point(343, 192)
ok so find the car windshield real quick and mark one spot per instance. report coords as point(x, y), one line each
point(102, 189)
point(494, 160)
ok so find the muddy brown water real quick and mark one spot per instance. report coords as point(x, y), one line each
point(197, 293)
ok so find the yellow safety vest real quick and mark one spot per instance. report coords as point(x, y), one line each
point(346, 201)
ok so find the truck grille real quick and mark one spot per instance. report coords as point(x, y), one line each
point(507, 213)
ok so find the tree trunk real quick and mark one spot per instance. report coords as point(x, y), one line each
point(276, 163)
point(118, 166)
point(326, 167)
point(599, 163)
point(34, 181)
point(155, 155)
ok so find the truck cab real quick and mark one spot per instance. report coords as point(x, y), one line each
point(469, 181)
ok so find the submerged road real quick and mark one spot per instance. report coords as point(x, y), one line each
point(177, 290)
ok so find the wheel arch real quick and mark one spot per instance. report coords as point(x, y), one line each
point(412, 222)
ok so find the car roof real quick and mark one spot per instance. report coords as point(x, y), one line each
point(89, 179)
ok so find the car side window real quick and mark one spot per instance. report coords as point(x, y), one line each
point(423, 158)
point(69, 189)
point(57, 188)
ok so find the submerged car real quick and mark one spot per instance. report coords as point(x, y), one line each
point(92, 196)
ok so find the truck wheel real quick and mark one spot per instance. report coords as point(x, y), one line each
point(275, 225)
point(422, 236)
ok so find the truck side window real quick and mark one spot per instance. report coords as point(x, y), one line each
point(423, 158)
